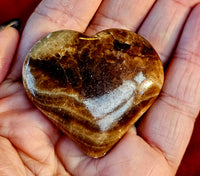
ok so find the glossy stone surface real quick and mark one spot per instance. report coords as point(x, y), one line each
point(93, 88)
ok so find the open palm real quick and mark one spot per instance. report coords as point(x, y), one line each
point(31, 145)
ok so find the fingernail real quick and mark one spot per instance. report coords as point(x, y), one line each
point(15, 23)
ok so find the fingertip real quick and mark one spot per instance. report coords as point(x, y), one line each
point(9, 38)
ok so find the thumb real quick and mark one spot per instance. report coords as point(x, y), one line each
point(9, 38)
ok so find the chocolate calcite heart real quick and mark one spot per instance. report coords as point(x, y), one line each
point(93, 88)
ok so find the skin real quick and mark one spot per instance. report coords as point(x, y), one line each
point(31, 145)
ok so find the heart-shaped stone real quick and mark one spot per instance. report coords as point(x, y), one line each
point(93, 88)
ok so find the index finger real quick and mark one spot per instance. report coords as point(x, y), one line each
point(51, 16)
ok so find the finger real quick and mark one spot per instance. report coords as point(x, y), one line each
point(169, 123)
point(127, 14)
point(163, 25)
point(9, 38)
point(50, 16)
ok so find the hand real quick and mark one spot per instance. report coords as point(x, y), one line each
point(31, 145)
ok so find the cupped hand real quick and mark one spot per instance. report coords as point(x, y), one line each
point(31, 145)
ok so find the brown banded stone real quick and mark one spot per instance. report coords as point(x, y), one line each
point(93, 88)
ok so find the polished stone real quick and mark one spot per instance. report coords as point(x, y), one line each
point(93, 88)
